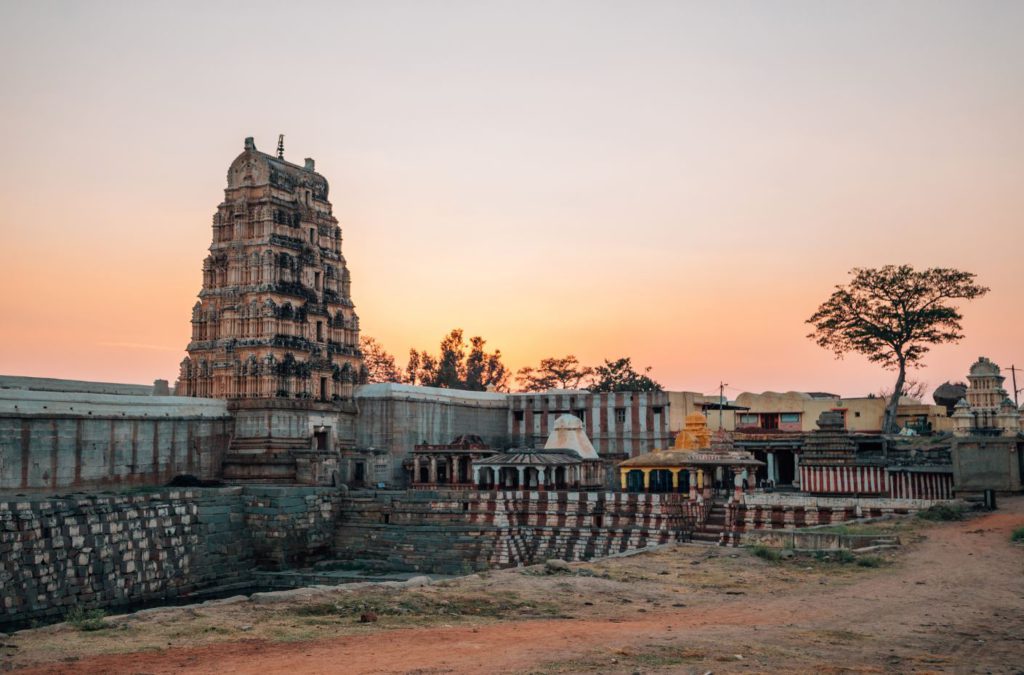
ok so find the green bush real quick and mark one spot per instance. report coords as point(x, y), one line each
point(841, 556)
point(766, 553)
point(942, 512)
point(1018, 534)
point(870, 561)
point(86, 619)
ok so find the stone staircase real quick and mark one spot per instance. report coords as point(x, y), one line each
point(261, 460)
point(710, 532)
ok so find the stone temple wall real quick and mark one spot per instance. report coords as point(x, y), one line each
point(395, 417)
point(453, 532)
point(121, 551)
point(57, 440)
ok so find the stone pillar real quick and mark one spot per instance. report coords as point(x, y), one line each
point(476, 476)
point(693, 483)
point(415, 469)
point(675, 480)
point(751, 478)
point(540, 478)
point(522, 477)
point(624, 479)
point(647, 480)
point(453, 469)
point(738, 483)
point(707, 485)
point(796, 469)
point(771, 468)
point(433, 469)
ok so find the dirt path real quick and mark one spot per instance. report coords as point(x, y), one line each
point(955, 604)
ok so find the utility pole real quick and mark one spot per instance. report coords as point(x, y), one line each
point(1013, 372)
point(721, 399)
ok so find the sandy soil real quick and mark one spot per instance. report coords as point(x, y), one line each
point(952, 600)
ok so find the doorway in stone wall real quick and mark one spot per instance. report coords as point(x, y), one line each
point(785, 466)
point(321, 439)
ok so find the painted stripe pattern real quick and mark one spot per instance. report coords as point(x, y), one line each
point(920, 485)
point(843, 479)
point(863, 480)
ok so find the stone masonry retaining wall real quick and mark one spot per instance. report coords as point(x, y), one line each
point(115, 551)
point(290, 527)
point(452, 532)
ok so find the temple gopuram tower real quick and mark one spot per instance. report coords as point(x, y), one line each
point(275, 331)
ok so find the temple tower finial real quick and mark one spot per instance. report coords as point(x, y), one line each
point(280, 146)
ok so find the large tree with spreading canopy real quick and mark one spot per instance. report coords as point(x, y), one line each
point(893, 315)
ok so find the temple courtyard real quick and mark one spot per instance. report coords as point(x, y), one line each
point(948, 600)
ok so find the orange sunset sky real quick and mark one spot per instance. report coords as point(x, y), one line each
point(678, 182)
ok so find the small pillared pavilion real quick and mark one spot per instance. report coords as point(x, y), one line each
point(696, 455)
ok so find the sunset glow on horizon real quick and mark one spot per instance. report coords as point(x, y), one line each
point(678, 183)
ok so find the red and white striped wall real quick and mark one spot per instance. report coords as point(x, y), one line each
point(866, 480)
point(920, 485)
point(843, 479)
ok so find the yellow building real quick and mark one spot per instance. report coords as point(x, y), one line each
point(691, 464)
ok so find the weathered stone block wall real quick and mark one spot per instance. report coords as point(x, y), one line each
point(452, 532)
point(414, 532)
point(291, 526)
point(115, 551)
point(110, 551)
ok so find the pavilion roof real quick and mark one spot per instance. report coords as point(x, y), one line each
point(529, 457)
point(700, 458)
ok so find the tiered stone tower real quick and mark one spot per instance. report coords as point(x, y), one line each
point(830, 444)
point(275, 317)
point(275, 331)
point(987, 409)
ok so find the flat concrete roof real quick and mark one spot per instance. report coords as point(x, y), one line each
point(410, 392)
point(81, 386)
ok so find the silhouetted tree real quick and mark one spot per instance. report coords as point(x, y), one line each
point(453, 368)
point(620, 376)
point(554, 373)
point(380, 365)
point(892, 315)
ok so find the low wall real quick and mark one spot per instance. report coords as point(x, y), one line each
point(58, 440)
point(814, 541)
point(777, 510)
point(451, 532)
point(120, 551)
